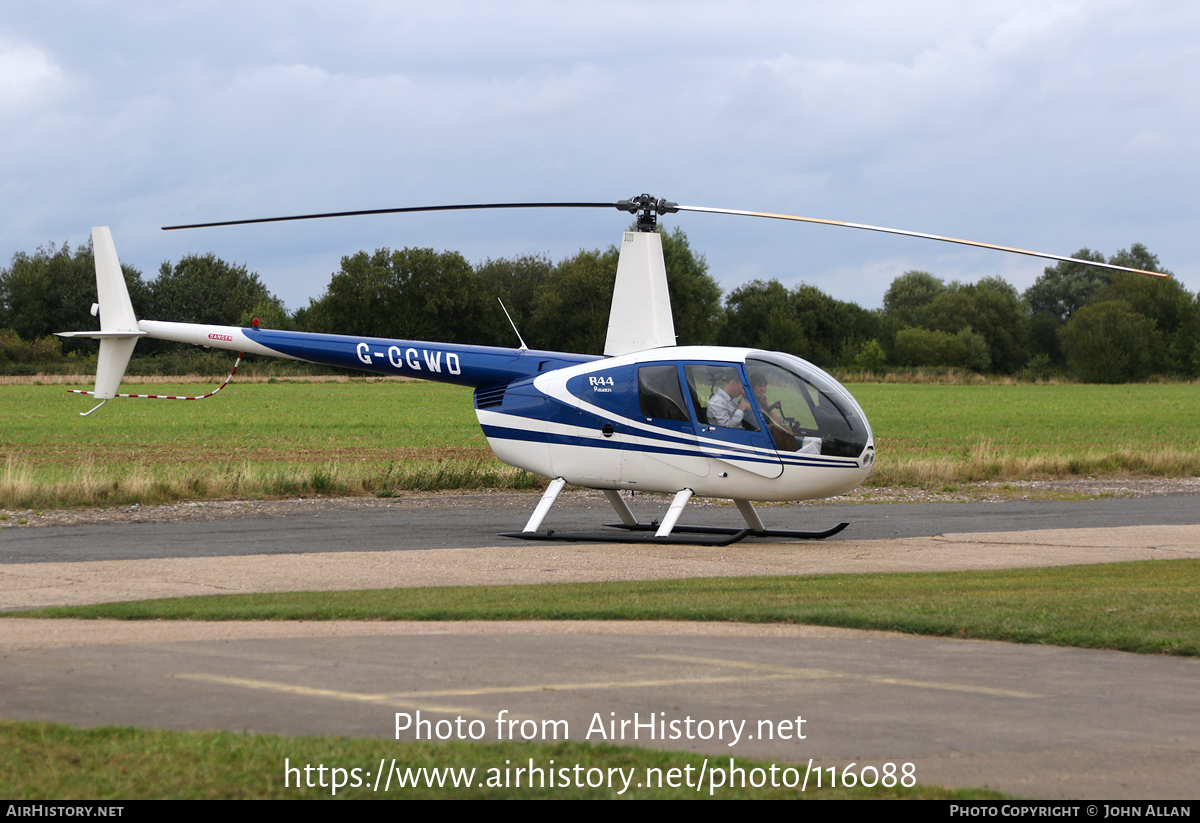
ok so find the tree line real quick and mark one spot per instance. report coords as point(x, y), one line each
point(1096, 324)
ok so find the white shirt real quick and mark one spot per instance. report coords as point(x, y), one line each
point(723, 410)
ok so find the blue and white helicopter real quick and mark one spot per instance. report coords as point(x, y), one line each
point(649, 415)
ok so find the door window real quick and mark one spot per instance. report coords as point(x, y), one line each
point(659, 393)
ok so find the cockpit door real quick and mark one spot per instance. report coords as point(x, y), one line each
point(728, 423)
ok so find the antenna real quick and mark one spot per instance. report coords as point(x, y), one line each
point(511, 323)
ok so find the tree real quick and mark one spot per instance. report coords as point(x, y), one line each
point(871, 356)
point(909, 294)
point(1044, 340)
point(1108, 342)
point(571, 313)
point(516, 281)
point(759, 315)
point(1162, 300)
point(203, 288)
point(965, 349)
point(410, 294)
point(972, 351)
point(1056, 296)
point(991, 308)
point(919, 347)
point(270, 314)
point(1137, 257)
point(805, 322)
point(1063, 288)
point(576, 298)
point(695, 295)
point(14, 350)
point(835, 329)
point(54, 289)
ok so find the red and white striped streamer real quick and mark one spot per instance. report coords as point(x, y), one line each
point(173, 396)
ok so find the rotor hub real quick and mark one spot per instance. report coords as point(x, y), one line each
point(647, 208)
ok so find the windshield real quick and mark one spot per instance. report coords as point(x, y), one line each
point(805, 409)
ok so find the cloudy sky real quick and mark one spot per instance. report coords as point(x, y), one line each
point(1041, 125)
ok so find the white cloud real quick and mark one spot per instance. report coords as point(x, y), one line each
point(27, 76)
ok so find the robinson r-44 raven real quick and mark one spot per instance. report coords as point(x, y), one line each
point(648, 415)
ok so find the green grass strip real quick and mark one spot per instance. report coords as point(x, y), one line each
point(371, 437)
point(1149, 607)
point(46, 760)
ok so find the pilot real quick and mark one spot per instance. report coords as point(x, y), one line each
point(758, 383)
point(724, 409)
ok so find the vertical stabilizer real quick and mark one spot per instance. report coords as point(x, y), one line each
point(116, 316)
point(118, 324)
point(110, 365)
point(640, 317)
point(116, 309)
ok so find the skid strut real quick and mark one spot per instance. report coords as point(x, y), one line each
point(543, 506)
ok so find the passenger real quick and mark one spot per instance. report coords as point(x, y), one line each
point(723, 407)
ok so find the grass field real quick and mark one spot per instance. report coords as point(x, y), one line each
point(46, 760)
point(252, 440)
point(928, 434)
point(379, 437)
point(1149, 607)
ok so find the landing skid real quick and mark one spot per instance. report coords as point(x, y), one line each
point(725, 538)
point(742, 533)
point(666, 533)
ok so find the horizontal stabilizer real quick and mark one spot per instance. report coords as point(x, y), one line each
point(100, 335)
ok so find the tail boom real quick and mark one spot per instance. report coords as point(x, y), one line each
point(473, 366)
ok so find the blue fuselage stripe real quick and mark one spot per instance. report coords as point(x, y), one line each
point(443, 362)
point(526, 435)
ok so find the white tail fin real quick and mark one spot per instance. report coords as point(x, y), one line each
point(118, 324)
point(640, 317)
point(116, 309)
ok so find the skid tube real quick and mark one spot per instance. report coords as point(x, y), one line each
point(790, 533)
point(680, 535)
point(724, 538)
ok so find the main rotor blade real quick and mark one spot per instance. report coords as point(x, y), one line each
point(663, 207)
point(917, 234)
point(461, 207)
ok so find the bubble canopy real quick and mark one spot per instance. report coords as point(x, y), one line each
point(801, 403)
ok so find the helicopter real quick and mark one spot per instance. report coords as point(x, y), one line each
point(648, 415)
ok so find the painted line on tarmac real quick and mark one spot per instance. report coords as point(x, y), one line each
point(817, 674)
point(409, 699)
point(307, 691)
